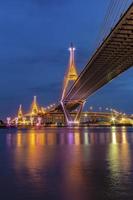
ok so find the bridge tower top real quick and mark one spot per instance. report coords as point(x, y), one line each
point(20, 113)
point(34, 107)
point(71, 74)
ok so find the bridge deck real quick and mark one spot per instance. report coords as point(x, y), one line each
point(112, 58)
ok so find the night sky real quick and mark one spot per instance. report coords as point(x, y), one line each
point(34, 40)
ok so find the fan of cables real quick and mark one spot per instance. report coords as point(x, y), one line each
point(116, 9)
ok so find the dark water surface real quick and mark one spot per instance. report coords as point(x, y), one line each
point(66, 164)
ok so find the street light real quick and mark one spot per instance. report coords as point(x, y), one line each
point(91, 108)
point(113, 119)
point(100, 109)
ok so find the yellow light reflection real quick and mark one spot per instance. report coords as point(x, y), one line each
point(114, 140)
point(125, 151)
point(124, 136)
point(77, 138)
point(19, 140)
point(86, 138)
point(51, 138)
point(118, 154)
point(32, 139)
point(41, 139)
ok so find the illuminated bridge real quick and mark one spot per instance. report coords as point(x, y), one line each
point(114, 56)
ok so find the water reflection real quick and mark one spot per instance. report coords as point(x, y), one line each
point(73, 163)
point(70, 137)
point(119, 157)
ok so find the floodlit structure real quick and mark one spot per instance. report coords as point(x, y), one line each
point(34, 107)
point(70, 77)
point(71, 74)
point(112, 57)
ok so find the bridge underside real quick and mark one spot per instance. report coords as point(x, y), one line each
point(70, 106)
point(112, 58)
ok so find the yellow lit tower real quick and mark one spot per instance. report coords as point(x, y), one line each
point(71, 74)
point(70, 77)
point(34, 107)
point(20, 114)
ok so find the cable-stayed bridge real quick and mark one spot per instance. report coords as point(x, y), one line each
point(114, 56)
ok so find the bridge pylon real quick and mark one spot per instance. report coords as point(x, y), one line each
point(69, 119)
point(71, 74)
point(70, 77)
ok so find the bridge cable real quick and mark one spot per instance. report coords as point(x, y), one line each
point(105, 21)
point(115, 10)
point(117, 7)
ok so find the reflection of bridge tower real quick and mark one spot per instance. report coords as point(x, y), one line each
point(70, 77)
point(34, 107)
point(71, 74)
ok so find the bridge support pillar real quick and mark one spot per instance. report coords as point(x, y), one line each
point(70, 121)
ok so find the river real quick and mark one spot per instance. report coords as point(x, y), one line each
point(66, 164)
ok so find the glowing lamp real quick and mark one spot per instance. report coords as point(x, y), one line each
point(113, 119)
point(9, 121)
point(16, 121)
point(31, 120)
point(24, 120)
point(39, 120)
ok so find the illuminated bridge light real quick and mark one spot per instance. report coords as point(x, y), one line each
point(39, 120)
point(113, 119)
point(24, 120)
point(9, 121)
point(16, 121)
point(32, 120)
point(77, 89)
point(73, 122)
point(91, 108)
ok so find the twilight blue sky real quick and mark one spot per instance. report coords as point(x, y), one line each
point(34, 40)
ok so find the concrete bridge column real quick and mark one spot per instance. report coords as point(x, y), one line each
point(69, 120)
